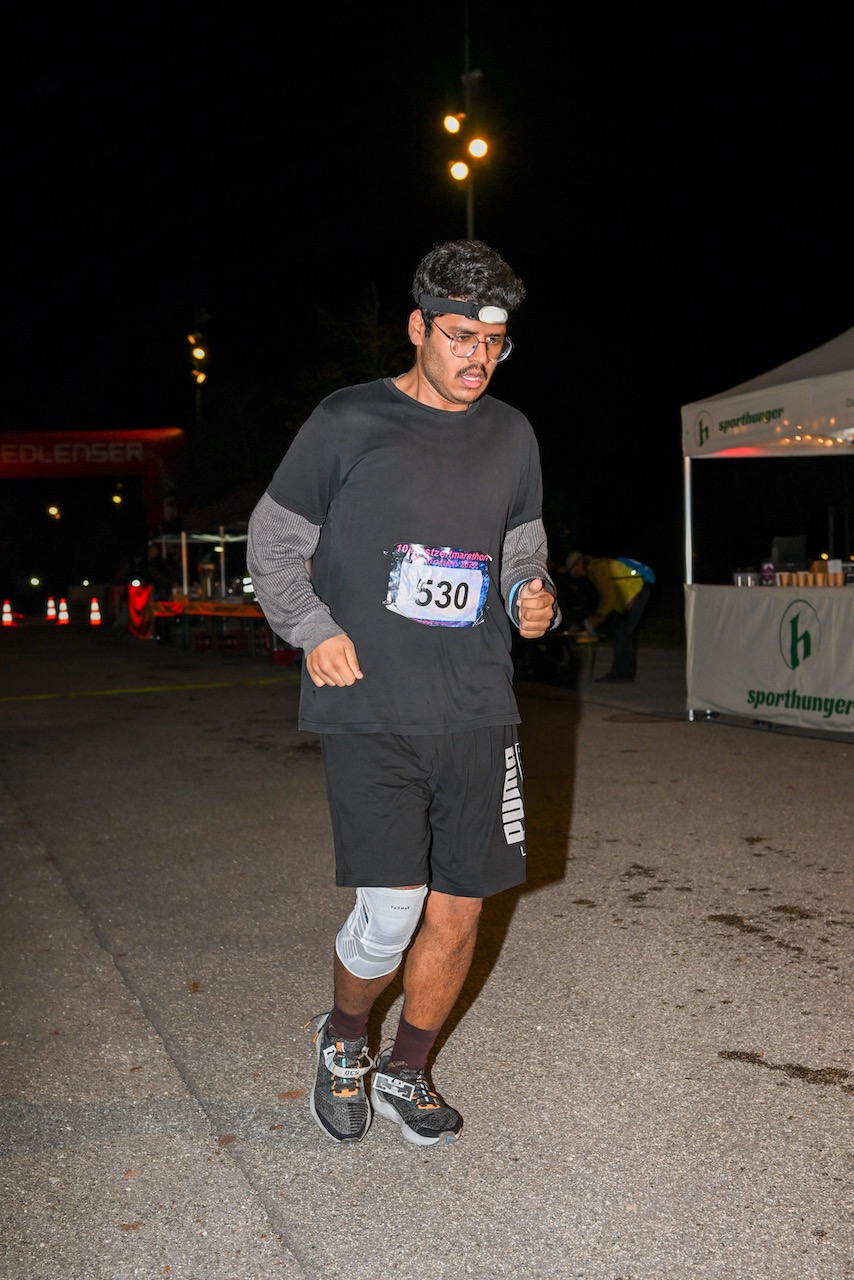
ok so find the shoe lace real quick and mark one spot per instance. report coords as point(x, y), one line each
point(316, 1018)
point(342, 1080)
point(345, 1068)
point(425, 1098)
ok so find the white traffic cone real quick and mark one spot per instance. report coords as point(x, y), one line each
point(50, 615)
point(62, 616)
point(94, 613)
point(8, 619)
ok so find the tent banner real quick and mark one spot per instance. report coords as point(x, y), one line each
point(776, 654)
point(808, 417)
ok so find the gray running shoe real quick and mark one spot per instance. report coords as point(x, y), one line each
point(338, 1100)
point(408, 1099)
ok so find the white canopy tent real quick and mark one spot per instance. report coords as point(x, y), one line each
point(216, 541)
point(784, 654)
point(803, 407)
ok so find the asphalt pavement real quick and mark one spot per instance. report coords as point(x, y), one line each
point(652, 1054)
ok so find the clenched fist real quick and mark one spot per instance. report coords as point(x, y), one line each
point(334, 662)
point(536, 608)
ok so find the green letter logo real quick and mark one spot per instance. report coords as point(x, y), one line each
point(800, 633)
point(703, 425)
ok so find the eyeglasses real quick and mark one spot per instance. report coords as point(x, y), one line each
point(464, 345)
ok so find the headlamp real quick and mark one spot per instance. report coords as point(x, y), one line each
point(473, 310)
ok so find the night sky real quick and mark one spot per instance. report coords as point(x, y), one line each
point(671, 183)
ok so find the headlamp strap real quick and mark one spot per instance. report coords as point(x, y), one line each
point(472, 310)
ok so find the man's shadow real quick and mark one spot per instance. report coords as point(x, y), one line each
point(548, 737)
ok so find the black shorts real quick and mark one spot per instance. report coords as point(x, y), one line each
point(445, 810)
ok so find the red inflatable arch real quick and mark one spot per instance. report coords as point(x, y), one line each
point(153, 454)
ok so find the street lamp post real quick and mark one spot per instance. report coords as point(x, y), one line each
point(471, 86)
point(476, 147)
point(198, 360)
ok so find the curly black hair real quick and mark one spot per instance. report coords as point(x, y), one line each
point(470, 270)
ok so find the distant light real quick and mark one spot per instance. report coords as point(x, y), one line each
point(478, 148)
point(85, 582)
point(218, 549)
point(117, 499)
point(54, 512)
point(199, 353)
point(35, 582)
point(453, 124)
point(199, 376)
point(135, 582)
point(459, 170)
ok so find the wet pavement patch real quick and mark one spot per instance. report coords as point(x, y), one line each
point(811, 1075)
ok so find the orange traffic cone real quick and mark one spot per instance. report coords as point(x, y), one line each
point(50, 616)
point(94, 613)
point(8, 620)
point(62, 616)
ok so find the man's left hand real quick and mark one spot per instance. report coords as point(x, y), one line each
point(536, 609)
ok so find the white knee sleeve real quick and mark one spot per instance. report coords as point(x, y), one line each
point(378, 930)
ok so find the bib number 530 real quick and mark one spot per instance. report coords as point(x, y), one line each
point(439, 587)
point(439, 594)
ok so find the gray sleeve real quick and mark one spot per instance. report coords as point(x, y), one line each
point(525, 556)
point(278, 550)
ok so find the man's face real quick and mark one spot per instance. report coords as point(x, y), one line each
point(451, 382)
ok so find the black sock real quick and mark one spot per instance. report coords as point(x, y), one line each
point(346, 1026)
point(411, 1046)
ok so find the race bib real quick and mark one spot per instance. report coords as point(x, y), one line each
point(438, 586)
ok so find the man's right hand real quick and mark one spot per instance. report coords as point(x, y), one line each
point(334, 662)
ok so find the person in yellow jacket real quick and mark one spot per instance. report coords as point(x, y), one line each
point(623, 587)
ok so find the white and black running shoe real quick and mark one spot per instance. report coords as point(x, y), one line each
point(338, 1100)
point(405, 1097)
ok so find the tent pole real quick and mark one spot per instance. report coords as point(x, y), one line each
point(689, 551)
point(184, 577)
point(222, 561)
